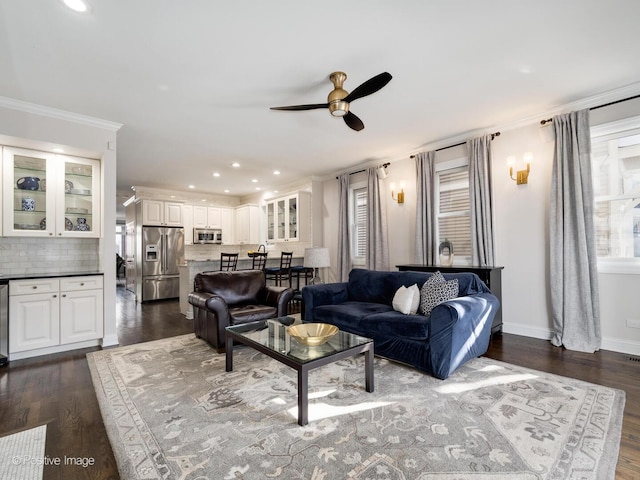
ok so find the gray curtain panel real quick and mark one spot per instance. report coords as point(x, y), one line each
point(344, 245)
point(481, 196)
point(426, 241)
point(573, 265)
point(377, 243)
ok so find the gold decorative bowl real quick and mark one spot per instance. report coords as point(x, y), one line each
point(312, 333)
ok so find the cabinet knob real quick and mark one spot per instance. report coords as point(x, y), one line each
point(82, 284)
point(35, 287)
point(55, 296)
point(50, 233)
point(63, 295)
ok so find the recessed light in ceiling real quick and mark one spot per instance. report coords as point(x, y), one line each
point(255, 180)
point(226, 191)
point(276, 172)
point(80, 6)
point(58, 150)
point(258, 188)
point(192, 186)
point(216, 174)
point(235, 164)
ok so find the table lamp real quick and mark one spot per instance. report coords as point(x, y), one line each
point(316, 258)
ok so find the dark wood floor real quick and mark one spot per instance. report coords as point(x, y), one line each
point(57, 389)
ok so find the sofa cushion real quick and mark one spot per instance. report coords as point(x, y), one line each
point(251, 313)
point(347, 314)
point(396, 324)
point(434, 293)
point(406, 300)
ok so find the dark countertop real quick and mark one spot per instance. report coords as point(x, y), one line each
point(30, 276)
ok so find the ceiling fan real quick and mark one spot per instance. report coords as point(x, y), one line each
point(339, 99)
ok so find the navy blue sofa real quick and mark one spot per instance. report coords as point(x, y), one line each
point(455, 331)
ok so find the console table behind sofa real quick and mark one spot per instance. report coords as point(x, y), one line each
point(491, 276)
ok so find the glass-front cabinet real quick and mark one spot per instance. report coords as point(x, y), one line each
point(50, 195)
point(288, 218)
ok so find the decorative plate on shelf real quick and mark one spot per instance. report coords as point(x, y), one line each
point(43, 224)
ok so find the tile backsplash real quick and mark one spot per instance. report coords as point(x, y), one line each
point(22, 255)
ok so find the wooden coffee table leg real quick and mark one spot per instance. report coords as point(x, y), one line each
point(229, 348)
point(303, 396)
point(368, 370)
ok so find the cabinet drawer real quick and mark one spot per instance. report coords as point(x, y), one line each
point(28, 287)
point(80, 283)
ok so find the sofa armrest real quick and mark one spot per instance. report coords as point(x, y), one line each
point(278, 297)
point(323, 294)
point(460, 329)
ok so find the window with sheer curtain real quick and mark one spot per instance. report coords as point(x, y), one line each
point(615, 157)
point(453, 207)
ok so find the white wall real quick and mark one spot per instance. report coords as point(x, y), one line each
point(522, 232)
point(33, 126)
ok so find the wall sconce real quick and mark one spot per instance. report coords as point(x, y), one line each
point(522, 176)
point(397, 196)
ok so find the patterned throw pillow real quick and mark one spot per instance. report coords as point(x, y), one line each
point(435, 291)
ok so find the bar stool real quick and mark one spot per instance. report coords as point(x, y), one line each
point(228, 261)
point(277, 274)
point(300, 271)
point(259, 261)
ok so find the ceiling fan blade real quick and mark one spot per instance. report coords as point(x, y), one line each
point(303, 107)
point(370, 86)
point(353, 122)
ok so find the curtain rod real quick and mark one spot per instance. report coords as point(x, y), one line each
point(493, 135)
point(385, 165)
point(549, 120)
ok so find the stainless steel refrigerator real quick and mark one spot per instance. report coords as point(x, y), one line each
point(161, 253)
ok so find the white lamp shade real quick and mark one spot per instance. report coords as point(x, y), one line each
point(316, 257)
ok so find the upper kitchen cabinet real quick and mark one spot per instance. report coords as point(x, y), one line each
point(50, 195)
point(160, 213)
point(288, 218)
point(247, 225)
point(207, 217)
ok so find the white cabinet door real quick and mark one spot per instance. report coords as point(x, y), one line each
point(34, 321)
point(247, 221)
point(227, 225)
point(199, 216)
point(188, 214)
point(152, 212)
point(173, 214)
point(78, 197)
point(81, 316)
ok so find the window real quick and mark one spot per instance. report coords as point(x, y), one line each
point(615, 161)
point(453, 214)
point(358, 220)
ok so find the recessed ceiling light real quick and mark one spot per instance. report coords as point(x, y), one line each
point(255, 180)
point(58, 150)
point(216, 174)
point(258, 188)
point(235, 164)
point(276, 172)
point(203, 199)
point(192, 186)
point(77, 5)
point(226, 191)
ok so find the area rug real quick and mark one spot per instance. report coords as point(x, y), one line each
point(171, 411)
point(22, 454)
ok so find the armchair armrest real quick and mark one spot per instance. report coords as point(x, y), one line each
point(460, 329)
point(323, 294)
point(278, 297)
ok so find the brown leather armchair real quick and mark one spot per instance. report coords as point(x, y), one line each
point(228, 298)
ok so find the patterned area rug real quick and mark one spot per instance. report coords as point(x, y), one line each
point(171, 411)
point(22, 454)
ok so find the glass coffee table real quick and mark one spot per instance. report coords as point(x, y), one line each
point(271, 338)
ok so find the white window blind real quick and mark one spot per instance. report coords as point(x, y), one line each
point(360, 224)
point(454, 217)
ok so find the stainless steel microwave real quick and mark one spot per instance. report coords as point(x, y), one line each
point(207, 235)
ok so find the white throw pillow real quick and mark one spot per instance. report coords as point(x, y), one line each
point(406, 300)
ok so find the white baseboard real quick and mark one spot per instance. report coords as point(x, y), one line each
point(608, 343)
point(110, 341)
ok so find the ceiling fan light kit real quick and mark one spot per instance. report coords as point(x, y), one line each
point(339, 100)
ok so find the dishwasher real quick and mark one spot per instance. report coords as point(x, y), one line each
point(4, 322)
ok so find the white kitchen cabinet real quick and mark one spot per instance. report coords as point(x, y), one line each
point(227, 225)
point(207, 217)
point(187, 213)
point(50, 315)
point(247, 224)
point(161, 213)
point(46, 194)
point(289, 218)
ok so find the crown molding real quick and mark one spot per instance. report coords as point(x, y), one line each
point(50, 112)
